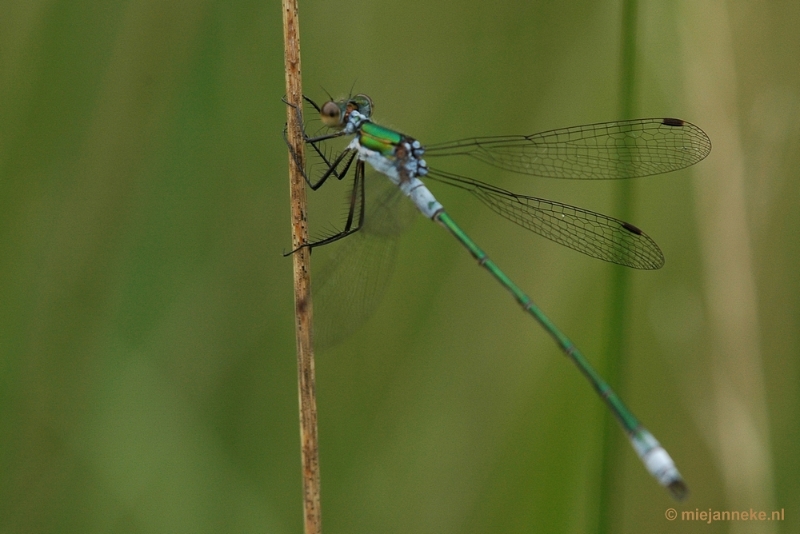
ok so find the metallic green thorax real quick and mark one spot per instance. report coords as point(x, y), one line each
point(379, 139)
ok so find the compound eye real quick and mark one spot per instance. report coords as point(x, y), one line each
point(330, 114)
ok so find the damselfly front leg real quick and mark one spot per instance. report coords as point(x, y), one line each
point(337, 166)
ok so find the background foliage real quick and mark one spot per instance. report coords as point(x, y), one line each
point(147, 371)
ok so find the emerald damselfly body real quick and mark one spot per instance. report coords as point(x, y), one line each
point(620, 149)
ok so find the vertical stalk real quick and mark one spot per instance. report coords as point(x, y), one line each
point(309, 449)
point(617, 329)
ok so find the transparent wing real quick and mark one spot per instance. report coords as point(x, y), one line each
point(609, 150)
point(349, 286)
point(593, 234)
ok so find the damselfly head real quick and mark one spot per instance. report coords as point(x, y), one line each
point(334, 113)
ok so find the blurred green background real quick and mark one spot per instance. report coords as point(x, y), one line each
point(147, 366)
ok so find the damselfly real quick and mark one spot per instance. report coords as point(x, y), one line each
point(620, 149)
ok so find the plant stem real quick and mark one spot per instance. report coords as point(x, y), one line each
point(309, 449)
point(616, 354)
